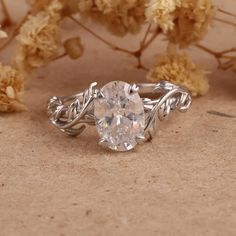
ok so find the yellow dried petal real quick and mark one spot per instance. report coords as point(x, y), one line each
point(119, 16)
point(162, 13)
point(10, 92)
point(11, 86)
point(3, 34)
point(191, 22)
point(39, 39)
point(179, 69)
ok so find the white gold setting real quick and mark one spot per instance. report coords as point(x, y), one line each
point(121, 113)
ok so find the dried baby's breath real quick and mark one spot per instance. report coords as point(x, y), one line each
point(179, 69)
point(68, 6)
point(185, 21)
point(38, 5)
point(162, 13)
point(39, 40)
point(11, 86)
point(85, 5)
point(119, 16)
point(191, 21)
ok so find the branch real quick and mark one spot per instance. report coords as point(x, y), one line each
point(112, 46)
point(7, 21)
point(145, 42)
point(219, 56)
point(15, 32)
point(225, 21)
point(226, 12)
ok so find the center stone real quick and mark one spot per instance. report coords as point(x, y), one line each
point(119, 115)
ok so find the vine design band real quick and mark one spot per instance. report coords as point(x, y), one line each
point(124, 116)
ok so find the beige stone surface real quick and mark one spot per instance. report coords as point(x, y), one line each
point(181, 183)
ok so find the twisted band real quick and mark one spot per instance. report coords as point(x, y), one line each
point(121, 100)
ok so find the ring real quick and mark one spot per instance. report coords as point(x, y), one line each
point(123, 115)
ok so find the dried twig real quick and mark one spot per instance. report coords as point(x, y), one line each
point(7, 18)
point(224, 60)
point(14, 33)
point(225, 21)
point(226, 12)
point(145, 42)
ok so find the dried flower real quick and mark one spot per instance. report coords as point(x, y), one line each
point(179, 69)
point(11, 85)
point(161, 13)
point(119, 16)
point(85, 5)
point(184, 21)
point(228, 64)
point(73, 47)
point(38, 5)
point(68, 6)
point(39, 41)
point(191, 22)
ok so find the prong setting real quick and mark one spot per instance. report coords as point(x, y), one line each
point(103, 142)
point(99, 94)
point(133, 88)
point(141, 139)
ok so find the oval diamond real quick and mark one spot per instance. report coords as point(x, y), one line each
point(119, 115)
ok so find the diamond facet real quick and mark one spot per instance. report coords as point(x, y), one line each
point(120, 116)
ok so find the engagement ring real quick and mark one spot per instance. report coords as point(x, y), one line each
point(124, 114)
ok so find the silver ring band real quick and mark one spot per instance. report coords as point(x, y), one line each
point(123, 113)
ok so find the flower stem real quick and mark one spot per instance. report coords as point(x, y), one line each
point(225, 21)
point(220, 56)
point(15, 32)
point(145, 42)
point(143, 45)
point(112, 46)
point(60, 56)
point(7, 21)
point(153, 37)
point(217, 54)
point(203, 48)
point(226, 12)
point(228, 51)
